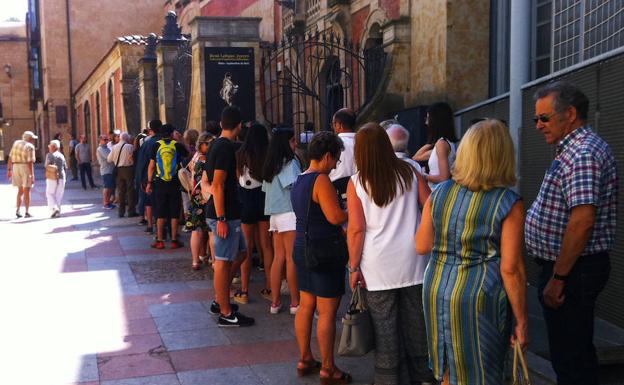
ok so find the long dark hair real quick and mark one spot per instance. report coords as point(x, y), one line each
point(253, 151)
point(279, 152)
point(382, 175)
point(441, 123)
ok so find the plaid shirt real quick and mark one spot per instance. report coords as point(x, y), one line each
point(582, 173)
point(22, 152)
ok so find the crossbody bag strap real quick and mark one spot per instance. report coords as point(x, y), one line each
point(309, 204)
point(119, 155)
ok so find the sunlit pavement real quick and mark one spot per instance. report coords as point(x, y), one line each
point(85, 300)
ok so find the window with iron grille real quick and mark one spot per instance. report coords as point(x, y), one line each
point(583, 29)
point(542, 38)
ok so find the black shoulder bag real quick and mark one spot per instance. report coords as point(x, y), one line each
point(326, 253)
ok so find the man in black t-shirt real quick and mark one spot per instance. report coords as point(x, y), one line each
point(223, 213)
point(162, 179)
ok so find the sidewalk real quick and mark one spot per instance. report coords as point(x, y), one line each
point(87, 301)
point(91, 303)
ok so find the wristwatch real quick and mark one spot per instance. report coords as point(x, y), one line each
point(560, 277)
point(353, 269)
point(222, 219)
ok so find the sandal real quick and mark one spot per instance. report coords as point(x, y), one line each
point(308, 367)
point(345, 378)
point(196, 266)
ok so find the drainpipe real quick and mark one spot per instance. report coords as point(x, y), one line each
point(71, 70)
point(519, 69)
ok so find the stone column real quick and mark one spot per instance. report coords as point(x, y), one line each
point(519, 68)
point(148, 82)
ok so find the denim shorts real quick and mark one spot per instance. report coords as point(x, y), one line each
point(228, 249)
point(109, 181)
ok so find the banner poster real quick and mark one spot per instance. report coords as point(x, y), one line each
point(230, 81)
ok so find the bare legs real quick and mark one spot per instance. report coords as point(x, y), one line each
point(106, 196)
point(283, 245)
point(197, 239)
point(267, 250)
point(222, 285)
point(22, 193)
point(326, 329)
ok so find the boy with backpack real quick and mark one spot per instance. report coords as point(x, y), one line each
point(162, 180)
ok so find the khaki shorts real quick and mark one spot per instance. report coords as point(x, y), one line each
point(21, 175)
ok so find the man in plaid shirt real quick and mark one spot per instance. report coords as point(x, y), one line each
point(21, 169)
point(570, 229)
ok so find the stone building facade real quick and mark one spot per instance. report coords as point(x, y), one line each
point(65, 45)
point(99, 100)
point(15, 114)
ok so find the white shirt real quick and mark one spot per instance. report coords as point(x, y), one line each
point(389, 259)
point(346, 166)
point(434, 167)
point(125, 158)
point(403, 156)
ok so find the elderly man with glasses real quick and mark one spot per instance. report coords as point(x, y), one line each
point(106, 171)
point(570, 229)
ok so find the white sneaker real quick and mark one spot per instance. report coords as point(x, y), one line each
point(284, 290)
point(293, 309)
point(275, 308)
point(236, 280)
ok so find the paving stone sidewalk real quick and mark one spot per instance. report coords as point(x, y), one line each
point(91, 303)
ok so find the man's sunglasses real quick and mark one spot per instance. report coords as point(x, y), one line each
point(543, 118)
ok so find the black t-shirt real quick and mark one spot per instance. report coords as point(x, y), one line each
point(222, 157)
point(181, 154)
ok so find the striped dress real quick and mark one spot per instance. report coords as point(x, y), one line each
point(467, 313)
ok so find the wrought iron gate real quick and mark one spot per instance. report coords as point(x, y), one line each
point(182, 75)
point(305, 79)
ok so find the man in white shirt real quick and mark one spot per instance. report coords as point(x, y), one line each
point(343, 123)
point(121, 157)
point(399, 137)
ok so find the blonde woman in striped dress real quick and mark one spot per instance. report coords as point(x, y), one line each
point(473, 227)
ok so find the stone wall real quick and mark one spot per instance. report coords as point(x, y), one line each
point(121, 66)
point(14, 94)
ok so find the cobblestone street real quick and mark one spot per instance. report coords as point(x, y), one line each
point(91, 303)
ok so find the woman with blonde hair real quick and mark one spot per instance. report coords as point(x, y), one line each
point(473, 227)
point(383, 200)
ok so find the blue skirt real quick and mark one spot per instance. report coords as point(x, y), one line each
point(326, 284)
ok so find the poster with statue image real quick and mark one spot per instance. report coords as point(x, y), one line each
point(230, 81)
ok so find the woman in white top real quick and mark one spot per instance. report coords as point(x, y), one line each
point(255, 225)
point(440, 150)
point(382, 201)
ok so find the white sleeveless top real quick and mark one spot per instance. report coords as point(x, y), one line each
point(434, 167)
point(247, 181)
point(389, 259)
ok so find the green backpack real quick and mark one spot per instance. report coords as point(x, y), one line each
point(166, 160)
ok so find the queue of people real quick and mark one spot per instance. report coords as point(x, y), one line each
point(434, 241)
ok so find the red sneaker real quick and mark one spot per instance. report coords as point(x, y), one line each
point(175, 244)
point(158, 245)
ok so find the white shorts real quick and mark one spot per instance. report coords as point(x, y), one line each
point(283, 222)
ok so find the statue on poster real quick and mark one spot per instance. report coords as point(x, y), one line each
point(229, 89)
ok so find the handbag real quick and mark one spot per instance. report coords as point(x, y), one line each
point(326, 253)
point(358, 336)
point(117, 163)
point(52, 172)
point(520, 371)
point(185, 178)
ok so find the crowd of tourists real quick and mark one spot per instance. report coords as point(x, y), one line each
point(435, 241)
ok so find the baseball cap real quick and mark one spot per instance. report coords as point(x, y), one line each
point(29, 134)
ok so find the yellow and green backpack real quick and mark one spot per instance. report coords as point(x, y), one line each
point(166, 160)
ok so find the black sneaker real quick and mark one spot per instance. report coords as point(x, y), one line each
point(234, 320)
point(142, 222)
point(215, 309)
